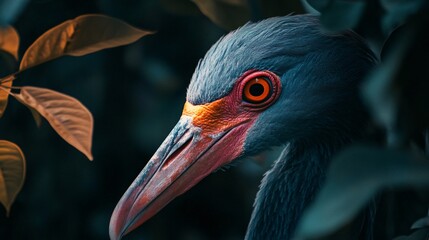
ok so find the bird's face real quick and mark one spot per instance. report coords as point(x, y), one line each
point(206, 137)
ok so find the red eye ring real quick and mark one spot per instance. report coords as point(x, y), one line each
point(257, 90)
point(266, 89)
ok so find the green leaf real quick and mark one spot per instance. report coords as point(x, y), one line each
point(341, 14)
point(421, 234)
point(309, 7)
point(421, 223)
point(353, 178)
point(397, 12)
point(397, 90)
point(9, 9)
point(80, 36)
point(319, 5)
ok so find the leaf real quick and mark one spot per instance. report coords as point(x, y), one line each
point(69, 118)
point(80, 36)
point(227, 14)
point(12, 173)
point(319, 5)
point(5, 85)
point(421, 234)
point(9, 41)
point(397, 12)
point(341, 14)
point(397, 90)
point(309, 7)
point(230, 14)
point(421, 223)
point(9, 9)
point(36, 115)
point(353, 178)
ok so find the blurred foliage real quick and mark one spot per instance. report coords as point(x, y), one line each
point(9, 9)
point(396, 94)
point(67, 116)
point(356, 175)
point(136, 94)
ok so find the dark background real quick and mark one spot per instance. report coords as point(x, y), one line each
point(136, 94)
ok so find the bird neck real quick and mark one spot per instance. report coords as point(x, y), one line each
point(287, 189)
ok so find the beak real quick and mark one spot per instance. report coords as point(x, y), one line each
point(188, 154)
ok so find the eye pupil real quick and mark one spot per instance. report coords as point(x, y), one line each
point(256, 89)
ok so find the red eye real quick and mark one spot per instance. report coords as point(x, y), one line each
point(257, 90)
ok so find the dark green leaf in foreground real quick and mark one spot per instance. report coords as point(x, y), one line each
point(397, 90)
point(319, 5)
point(397, 11)
point(421, 234)
point(421, 223)
point(353, 178)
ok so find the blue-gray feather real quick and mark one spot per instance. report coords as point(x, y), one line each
point(276, 44)
point(318, 111)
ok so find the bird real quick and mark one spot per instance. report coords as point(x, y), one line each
point(282, 81)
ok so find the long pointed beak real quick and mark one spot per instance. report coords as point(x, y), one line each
point(187, 155)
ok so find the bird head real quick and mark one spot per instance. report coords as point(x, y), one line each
point(260, 86)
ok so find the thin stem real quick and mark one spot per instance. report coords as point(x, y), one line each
point(8, 78)
point(7, 89)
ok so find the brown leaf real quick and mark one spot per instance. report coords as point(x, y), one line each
point(227, 14)
point(36, 115)
point(69, 117)
point(5, 85)
point(9, 41)
point(80, 36)
point(12, 172)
